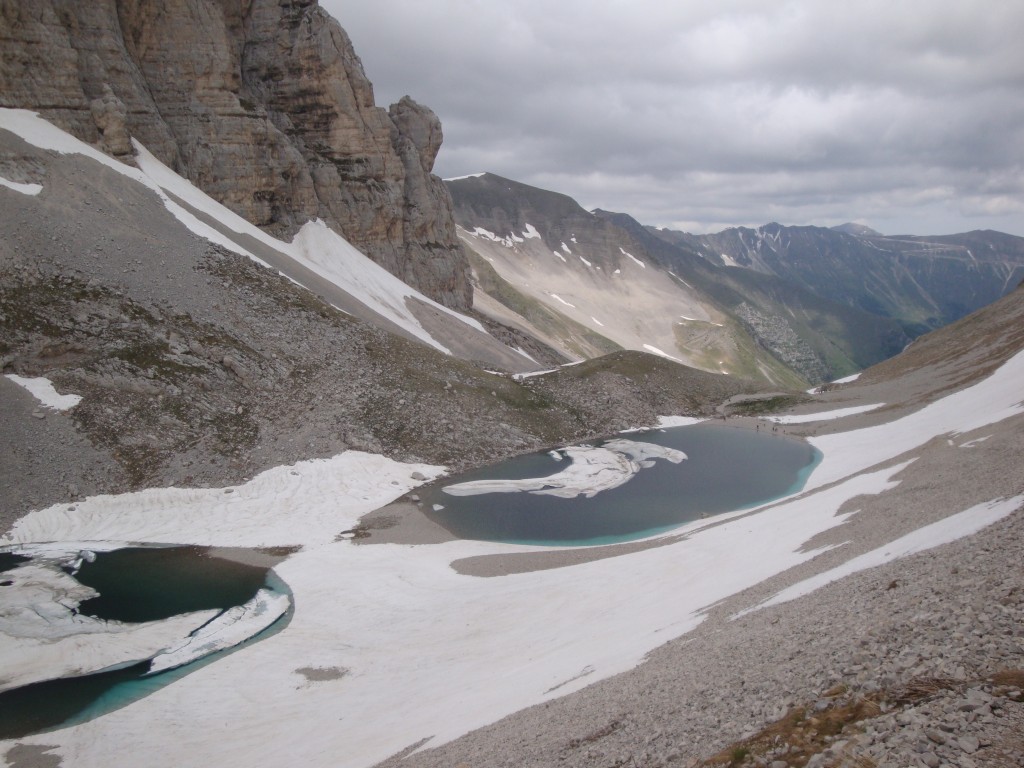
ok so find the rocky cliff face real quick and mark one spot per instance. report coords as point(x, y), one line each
point(263, 104)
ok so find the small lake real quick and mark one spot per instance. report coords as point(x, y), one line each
point(135, 584)
point(726, 469)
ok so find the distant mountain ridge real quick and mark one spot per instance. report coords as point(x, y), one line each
point(665, 297)
point(924, 282)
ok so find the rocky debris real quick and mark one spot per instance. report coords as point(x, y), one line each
point(110, 115)
point(778, 336)
point(263, 105)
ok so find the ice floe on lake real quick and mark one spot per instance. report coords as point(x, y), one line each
point(593, 469)
point(230, 628)
point(26, 189)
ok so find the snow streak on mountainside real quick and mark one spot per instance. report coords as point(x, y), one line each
point(262, 105)
point(346, 277)
point(922, 281)
point(609, 275)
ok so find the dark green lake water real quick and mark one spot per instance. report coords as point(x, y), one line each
point(136, 584)
point(727, 469)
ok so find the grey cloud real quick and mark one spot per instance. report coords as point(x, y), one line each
point(908, 115)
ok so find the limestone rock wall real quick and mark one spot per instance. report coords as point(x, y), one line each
point(262, 103)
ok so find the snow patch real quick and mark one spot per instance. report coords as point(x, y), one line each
point(838, 413)
point(655, 351)
point(315, 246)
point(17, 186)
point(665, 422)
point(938, 533)
point(531, 232)
point(42, 390)
point(975, 442)
point(559, 298)
point(634, 258)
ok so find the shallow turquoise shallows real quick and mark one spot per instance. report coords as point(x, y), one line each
point(137, 584)
point(727, 469)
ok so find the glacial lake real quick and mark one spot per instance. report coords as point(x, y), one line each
point(726, 469)
point(136, 584)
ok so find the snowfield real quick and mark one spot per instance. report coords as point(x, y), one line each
point(315, 246)
point(42, 390)
point(425, 654)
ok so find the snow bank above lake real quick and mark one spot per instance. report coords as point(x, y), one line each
point(838, 413)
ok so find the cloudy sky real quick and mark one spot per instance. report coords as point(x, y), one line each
point(907, 116)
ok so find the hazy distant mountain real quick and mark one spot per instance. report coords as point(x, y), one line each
point(924, 282)
point(858, 230)
point(605, 276)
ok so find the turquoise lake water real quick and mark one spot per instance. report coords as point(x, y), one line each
point(137, 584)
point(727, 469)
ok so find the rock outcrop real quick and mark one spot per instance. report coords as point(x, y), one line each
point(262, 104)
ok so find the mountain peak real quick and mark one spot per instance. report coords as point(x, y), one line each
point(857, 230)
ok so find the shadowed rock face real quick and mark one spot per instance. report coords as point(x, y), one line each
point(263, 105)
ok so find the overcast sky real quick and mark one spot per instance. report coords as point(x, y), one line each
point(698, 115)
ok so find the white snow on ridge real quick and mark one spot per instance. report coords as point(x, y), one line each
point(559, 298)
point(943, 531)
point(838, 413)
point(664, 422)
point(42, 390)
point(993, 399)
point(315, 246)
point(467, 176)
point(655, 351)
point(508, 242)
point(634, 258)
point(848, 379)
point(230, 628)
point(531, 232)
point(17, 186)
